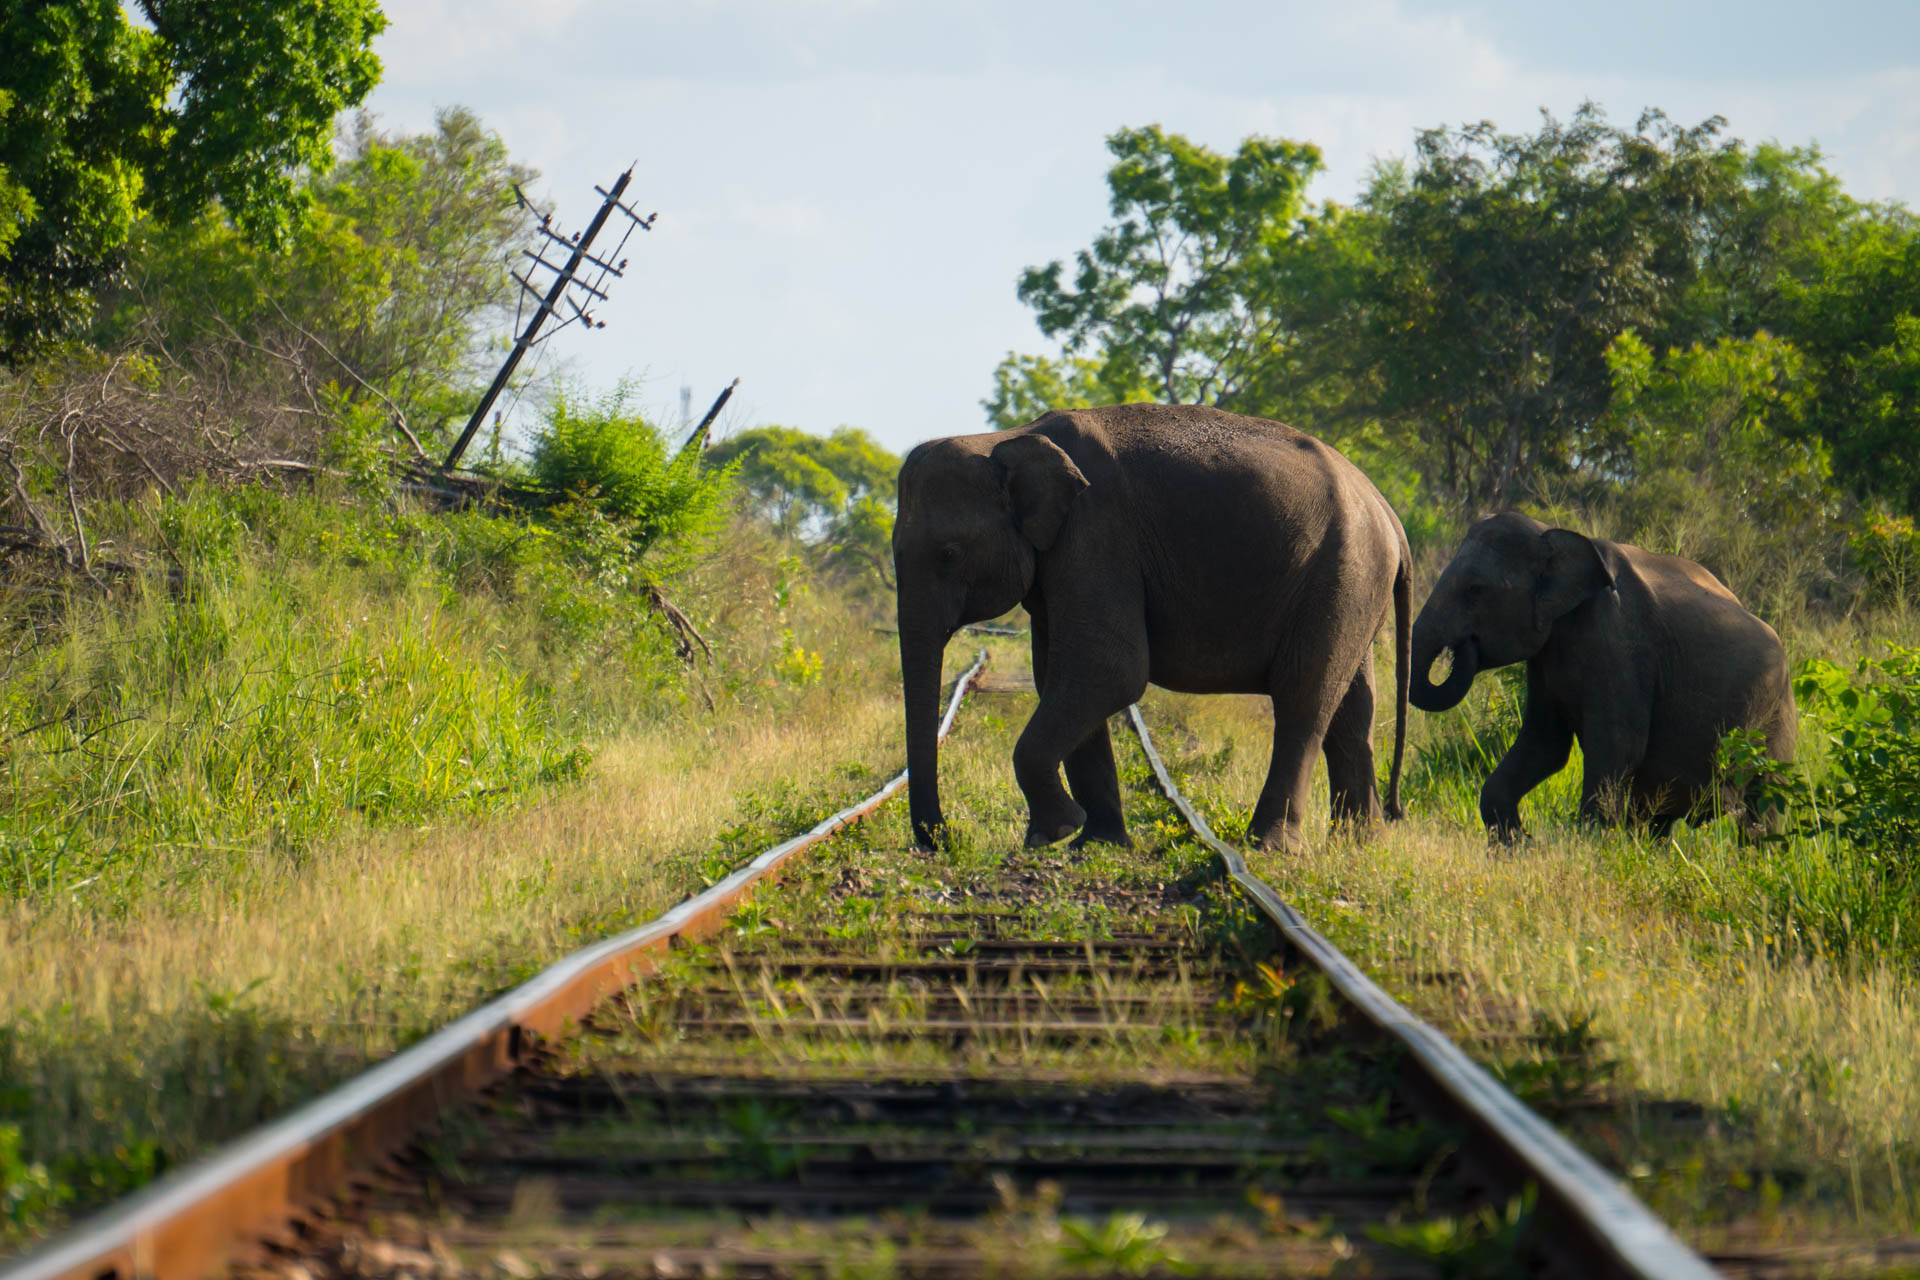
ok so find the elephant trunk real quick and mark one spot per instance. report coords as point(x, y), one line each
point(1446, 695)
point(920, 659)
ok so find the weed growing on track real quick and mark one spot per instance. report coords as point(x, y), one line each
point(1708, 1017)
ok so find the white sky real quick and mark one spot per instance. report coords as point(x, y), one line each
point(847, 189)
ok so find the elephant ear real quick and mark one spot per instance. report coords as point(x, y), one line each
point(1572, 571)
point(1039, 482)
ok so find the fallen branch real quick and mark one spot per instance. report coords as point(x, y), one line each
point(685, 634)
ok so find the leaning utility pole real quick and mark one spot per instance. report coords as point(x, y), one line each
point(565, 278)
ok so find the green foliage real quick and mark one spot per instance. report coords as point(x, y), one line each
point(1885, 549)
point(612, 459)
point(1870, 793)
point(110, 120)
point(1124, 1244)
point(1686, 331)
point(391, 279)
point(796, 478)
point(1487, 1244)
point(314, 664)
point(1174, 295)
point(1712, 464)
point(837, 490)
point(1854, 308)
point(29, 1196)
point(1504, 267)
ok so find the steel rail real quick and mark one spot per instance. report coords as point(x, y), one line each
point(188, 1223)
point(1618, 1235)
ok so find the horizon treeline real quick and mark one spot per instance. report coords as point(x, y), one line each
point(1660, 328)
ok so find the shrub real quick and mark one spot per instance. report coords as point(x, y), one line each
point(1868, 791)
point(601, 451)
point(1886, 551)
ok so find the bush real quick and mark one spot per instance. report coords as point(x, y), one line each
point(603, 452)
point(1886, 551)
point(1840, 860)
point(305, 664)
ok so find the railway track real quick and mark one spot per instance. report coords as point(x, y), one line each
point(978, 1061)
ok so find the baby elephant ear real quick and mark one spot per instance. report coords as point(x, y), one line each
point(1039, 483)
point(1572, 571)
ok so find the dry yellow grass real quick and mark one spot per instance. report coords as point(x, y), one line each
point(201, 1009)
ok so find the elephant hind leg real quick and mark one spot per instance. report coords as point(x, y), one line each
point(1351, 788)
point(1300, 720)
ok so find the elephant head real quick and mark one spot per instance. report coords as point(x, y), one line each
point(976, 513)
point(1497, 601)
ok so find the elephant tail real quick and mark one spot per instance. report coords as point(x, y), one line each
point(1402, 674)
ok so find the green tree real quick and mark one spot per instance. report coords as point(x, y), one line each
point(1854, 310)
point(391, 282)
point(1502, 268)
point(1721, 420)
point(108, 120)
point(1178, 295)
point(1779, 204)
point(1026, 386)
point(836, 491)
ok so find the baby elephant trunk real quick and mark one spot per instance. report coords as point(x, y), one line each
point(1427, 648)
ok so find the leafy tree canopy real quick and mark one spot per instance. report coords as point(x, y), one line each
point(837, 490)
point(390, 280)
point(1025, 386)
point(107, 119)
point(798, 478)
point(1855, 311)
point(1175, 296)
point(1504, 265)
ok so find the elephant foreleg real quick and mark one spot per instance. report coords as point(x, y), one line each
point(1095, 785)
point(1538, 752)
point(1613, 742)
point(1070, 726)
point(1091, 777)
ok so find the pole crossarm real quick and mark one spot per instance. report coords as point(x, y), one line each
point(565, 279)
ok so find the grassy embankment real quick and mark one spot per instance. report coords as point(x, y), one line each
point(1769, 990)
point(349, 772)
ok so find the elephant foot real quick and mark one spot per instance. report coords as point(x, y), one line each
point(1282, 837)
point(1506, 838)
point(1041, 837)
point(1102, 833)
point(1055, 824)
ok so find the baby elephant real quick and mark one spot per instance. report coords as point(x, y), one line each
point(1646, 659)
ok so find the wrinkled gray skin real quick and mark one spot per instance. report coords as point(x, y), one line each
point(1646, 659)
point(1166, 544)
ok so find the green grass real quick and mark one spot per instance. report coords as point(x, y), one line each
point(355, 770)
point(1730, 1026)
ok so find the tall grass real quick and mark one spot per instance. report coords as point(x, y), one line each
point(1770, 987)
point(349, 771)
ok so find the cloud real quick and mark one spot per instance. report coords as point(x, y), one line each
point(848, 188)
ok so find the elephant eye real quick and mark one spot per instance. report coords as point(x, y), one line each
point(949, 556)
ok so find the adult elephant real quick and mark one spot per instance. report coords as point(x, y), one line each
point(1646, 659)
point(1166, 544)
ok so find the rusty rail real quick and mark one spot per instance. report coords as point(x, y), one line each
point(189, 1223)
point(185, 1225)
point(1616, 1234)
